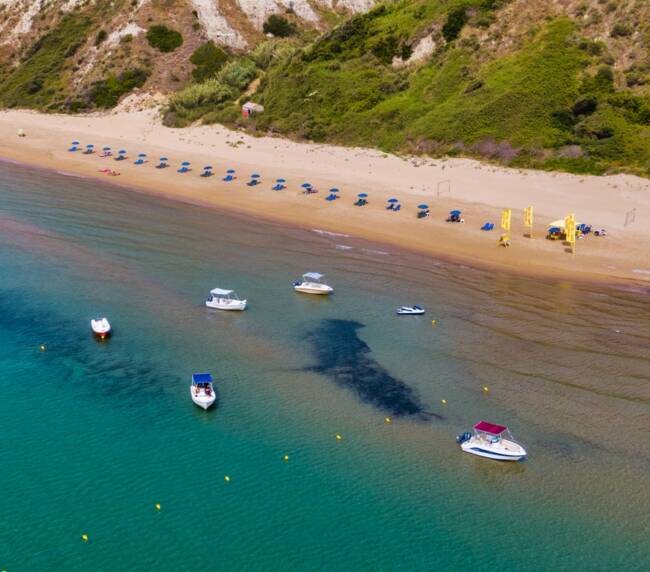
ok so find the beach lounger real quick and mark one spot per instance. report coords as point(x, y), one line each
point(120, 158)
point(331, 197)
point(278, 187)
point(228, 178)
point(182, 170)
point(73, 149)
point(390, 207)
point(397, 208)
point(252, 182)
point(139, 162)
point(162, 166)
point(488, 226)
point(206, 174)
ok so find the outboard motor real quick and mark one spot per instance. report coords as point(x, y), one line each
point(463, 437)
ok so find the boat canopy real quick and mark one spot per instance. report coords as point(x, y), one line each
point(220, 292)
point(313, 275)
point(201, 378)
point(490, 428)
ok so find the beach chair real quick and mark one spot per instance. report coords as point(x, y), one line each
point(73, 149)
point(252, 182)
point(488, 226)
point(397, 208)
point(390, 207)
point(139, 162)
point(162, 166)
point(182, 170)
point(331, 197)
point(278, 187)
point(206, 174)
point(120, 158)
point(228, 178)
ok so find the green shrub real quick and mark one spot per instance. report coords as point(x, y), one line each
point(237, 74)
point(208, 59)
point(210, 92)
point(620, 30)
point(278, 26)
point(107, 92)
point(164, 38)
point(456, 20)
point(100, 38)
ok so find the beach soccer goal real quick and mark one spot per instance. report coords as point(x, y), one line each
point(443, 187)
point(630, 217)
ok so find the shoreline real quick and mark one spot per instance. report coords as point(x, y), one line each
point(481, 191)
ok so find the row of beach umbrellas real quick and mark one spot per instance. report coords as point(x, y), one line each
point(207, 171)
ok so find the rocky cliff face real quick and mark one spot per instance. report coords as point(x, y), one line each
point(103, 38)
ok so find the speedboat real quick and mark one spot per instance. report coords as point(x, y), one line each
point(410, 311)
point(312, 283)
point(225, 300)
point(101, 328)
point(487, 441)
point(201, 391)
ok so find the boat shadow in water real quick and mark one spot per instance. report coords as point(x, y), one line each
point(346, 359)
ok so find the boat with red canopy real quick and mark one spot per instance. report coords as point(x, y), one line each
point(488, 440)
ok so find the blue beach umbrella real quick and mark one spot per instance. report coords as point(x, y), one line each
point(163, 159)
point(334, 190)
point(393, 200)
point(230, 171)
point(280, 180)
point(255, 176)
point(75, 142)
point(122, 151)
point(423, 206)
point(207, 168)
point(142, 154)
point(306, 185)
point(185, 163)
point(89, 146)
point(106, 148)
point(362, 195)
point(454, 213)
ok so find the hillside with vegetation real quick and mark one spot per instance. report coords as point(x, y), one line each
point(528, 83)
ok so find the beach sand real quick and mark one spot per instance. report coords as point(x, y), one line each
point(480, 190)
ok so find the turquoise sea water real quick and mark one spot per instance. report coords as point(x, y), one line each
point(94, 435)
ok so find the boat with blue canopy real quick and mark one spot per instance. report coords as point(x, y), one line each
point(202, 391)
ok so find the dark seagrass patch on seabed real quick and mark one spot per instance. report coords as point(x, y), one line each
point(346, 359)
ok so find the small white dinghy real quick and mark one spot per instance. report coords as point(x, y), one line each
point(487, 441)
point(410, 311)
point(101, 328)
point(201, 391)
point(225, 300)
point(312, 283)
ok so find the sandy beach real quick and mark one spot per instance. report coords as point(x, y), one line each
point(480, 190)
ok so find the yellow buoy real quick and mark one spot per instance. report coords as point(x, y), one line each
point(338, 437)
point(226, 478)
point(158, 506)
point(443, 401)
point(387, 420)
point(486, 388)
point(433, 322)
point(84, 537)
point(285, 458)
point(42, 347)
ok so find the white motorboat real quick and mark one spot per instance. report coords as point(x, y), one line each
point(225, 300)
point(410, 311)
point(202, 391)
point(312, 283)
point(101, 328)
point(487, 441)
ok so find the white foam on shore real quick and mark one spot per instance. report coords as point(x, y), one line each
point(641, 271)
point(328, 233)
point(342, 247)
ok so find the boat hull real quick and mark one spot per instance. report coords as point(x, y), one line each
point(505, 451)
point(230, 305)
point(203, 401)
point(322, 290)
point(101, 328)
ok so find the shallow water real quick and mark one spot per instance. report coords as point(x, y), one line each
point(93, 435)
